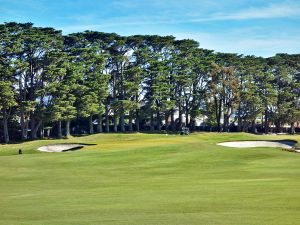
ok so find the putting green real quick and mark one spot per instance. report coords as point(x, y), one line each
point(150, 179)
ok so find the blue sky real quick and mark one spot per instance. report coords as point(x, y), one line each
point(250, 27)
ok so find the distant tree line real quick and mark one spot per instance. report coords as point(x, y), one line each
point(64, 83)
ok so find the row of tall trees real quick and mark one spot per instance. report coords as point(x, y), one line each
point(136, 82)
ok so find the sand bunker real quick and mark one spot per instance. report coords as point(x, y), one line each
point(60, 147)
point(255, 144)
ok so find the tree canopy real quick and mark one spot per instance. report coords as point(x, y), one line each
point(93, 82)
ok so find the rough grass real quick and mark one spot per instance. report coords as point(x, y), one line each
point(150, 179)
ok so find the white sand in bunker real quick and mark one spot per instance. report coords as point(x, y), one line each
point(60, 147)
point(256, 144)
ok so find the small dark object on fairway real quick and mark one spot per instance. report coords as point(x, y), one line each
point(20, 151)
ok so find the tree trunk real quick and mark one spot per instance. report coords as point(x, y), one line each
point(151, 122)
point(187, 119)
point(5, 128)
point(218, 111)
point(122, 121)
point(137, 121)
point(106, 119)
point(91, 125)
point(253, 128)
point(42, 131)
point(239, 119)
point(277, 126)
point(293, 128)
point(220, 115)
point(192, 123)
point(130, 121)
point(280, 128)
point(35, 129)
point(245, 126)
point(137, 115)
point(158, 119)
point(166, 121)
point(24, 125)
point(239, 128)
point(22, 113)
point(266, 122)
point(68, 128)
point(172, 121)
point(226, 123)
point(32, 126)
point(179, 116)
point(115, 123)
point(48, 133)
point(99, 126)
point(59, 130)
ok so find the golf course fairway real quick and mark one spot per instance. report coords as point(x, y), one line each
point(150, 179)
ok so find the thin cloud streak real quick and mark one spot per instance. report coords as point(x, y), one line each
point(247, 27)
point(237, 42)
point(270, 12)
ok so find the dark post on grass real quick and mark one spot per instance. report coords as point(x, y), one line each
point(20, 151)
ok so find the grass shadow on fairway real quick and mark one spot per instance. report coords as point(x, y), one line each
point(79, 147)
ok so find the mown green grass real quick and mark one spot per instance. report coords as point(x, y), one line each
point(150, 179)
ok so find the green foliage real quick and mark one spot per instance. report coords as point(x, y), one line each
point(223, 92)
point(7, 96)
point(138, 79)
